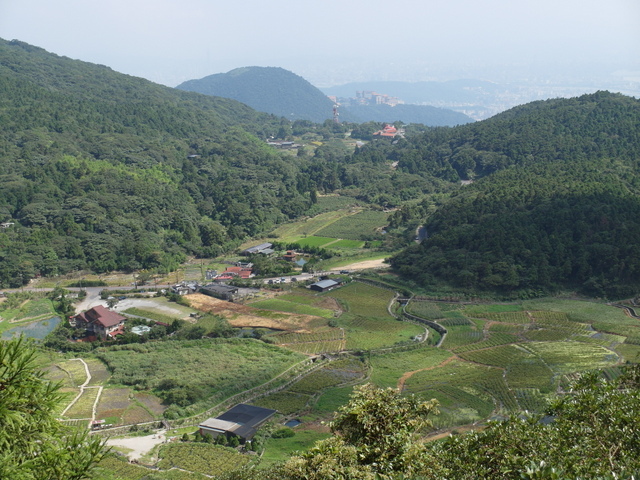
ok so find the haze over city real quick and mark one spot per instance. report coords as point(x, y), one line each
point(334, 42)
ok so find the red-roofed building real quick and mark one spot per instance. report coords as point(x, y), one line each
point(100, 321)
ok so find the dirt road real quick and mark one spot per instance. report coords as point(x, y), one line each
point(379, 263)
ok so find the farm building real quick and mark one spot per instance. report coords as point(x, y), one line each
point(324, 285)
point(242, 420)
point(100, 321)
point(257, 249)
point(185, 288)
point(221, 291)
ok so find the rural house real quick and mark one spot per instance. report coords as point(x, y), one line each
point(99, 321)
point(221, 291)
point(242, 421)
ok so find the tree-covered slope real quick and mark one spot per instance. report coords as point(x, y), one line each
point(591, 126)
point(268, 89)
point(562, 209)
point(105, 171)
point(571, 225)
point(424, 114)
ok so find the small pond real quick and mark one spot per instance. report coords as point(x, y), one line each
point(37, 330)
point(293, 423)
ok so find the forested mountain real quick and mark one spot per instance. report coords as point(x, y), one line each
point(105, 171)
point(558, 206)
point(268, 89)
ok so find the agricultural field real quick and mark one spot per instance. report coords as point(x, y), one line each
point(326, 340)
point(178, 461)
point(315, 241)
point(391, 368)
point(83, 408)
point(366, 321)
point(466, 392)
point(280, 449)
point(345, 370)
point(292, 232)
point(363, 225)
point(220, 366)
point(511, 356)
point(313, 398)
point(283, 305)
point(200, 458)
point(345, 244)
point(26, 309)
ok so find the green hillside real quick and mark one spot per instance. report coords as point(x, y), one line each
point(105, 171)
point(558, 206)
point(425, 114)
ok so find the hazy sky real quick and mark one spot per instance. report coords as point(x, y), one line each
point(333, 41)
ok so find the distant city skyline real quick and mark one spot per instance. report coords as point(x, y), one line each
point(337, 42)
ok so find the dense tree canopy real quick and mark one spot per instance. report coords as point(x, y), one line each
point(33, 444)
point(543, 226)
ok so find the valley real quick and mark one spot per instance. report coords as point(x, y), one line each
point(170, 260)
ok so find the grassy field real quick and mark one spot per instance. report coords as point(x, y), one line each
point(360, 226)
point(283, 305)
point(280, 449)
point(291, 232)
point(222, 367)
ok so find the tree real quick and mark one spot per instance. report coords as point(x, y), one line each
point(33, 443)
point(374, 434)
point(595, 433)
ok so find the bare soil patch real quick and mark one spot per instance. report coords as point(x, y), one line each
point(244, 316)
point(379, 263)
point(136, 414)
point(329, 303)
point(151, 402)
point(138, 445)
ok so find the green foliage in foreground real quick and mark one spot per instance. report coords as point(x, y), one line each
point(595, 433)
point(33, 444)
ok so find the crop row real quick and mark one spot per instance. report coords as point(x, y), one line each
point(315, 348)
point(121, 469)
point(200, 458)
point(494, 339)
point(286, 403)
point(459, 336)
point(501, 356)
point(83, 408)
point(360, 226)
point(318, 336)
point(508, 317)
point(530, 399)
